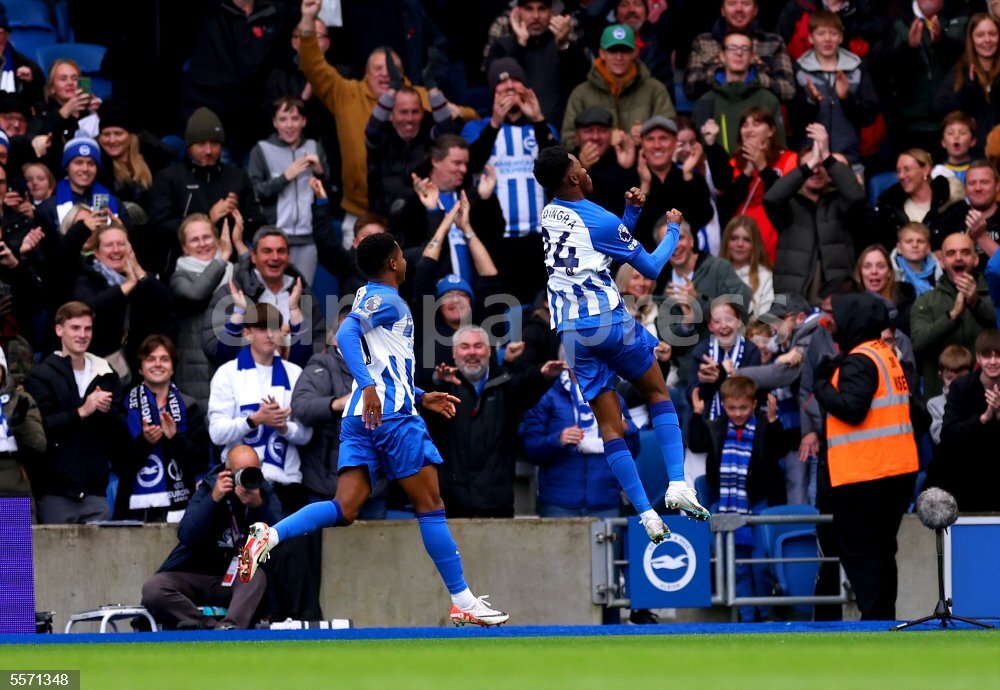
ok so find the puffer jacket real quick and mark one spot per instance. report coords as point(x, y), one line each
point(568, 478)
point(889, 215)
point(193, 292)
point(809, 232)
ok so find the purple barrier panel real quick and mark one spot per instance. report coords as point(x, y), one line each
point(17, 583)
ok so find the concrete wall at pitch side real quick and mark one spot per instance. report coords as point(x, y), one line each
point(377, 573)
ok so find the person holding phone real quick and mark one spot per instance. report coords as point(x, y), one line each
point(67, 109)
point(81, 160)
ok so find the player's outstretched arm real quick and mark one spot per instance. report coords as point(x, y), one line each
point(650, 264)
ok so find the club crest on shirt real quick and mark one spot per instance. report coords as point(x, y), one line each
point(370, 306)
point(625, 236)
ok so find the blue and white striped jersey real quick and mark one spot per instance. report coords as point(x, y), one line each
point(388, 349)
point(581, 240)
point(514, 153)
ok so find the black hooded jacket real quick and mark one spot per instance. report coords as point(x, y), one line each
point(860, 318)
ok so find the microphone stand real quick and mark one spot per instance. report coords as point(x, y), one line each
point(942, 612)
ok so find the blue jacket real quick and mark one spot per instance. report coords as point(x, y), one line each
point(568, 478)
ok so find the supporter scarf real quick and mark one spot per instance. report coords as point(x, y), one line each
point(109, 274)
point(718, 355)
point(269, 444)
point(65, 198)
point(920, 280)
point(461, 258)
point(8, 83)
point(160, 482)
point(190, 264)
point(733, 466)
point(584, 417)
point(616, 85)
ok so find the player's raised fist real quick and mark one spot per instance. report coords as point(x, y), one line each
point(635, 197)
point(674, 216)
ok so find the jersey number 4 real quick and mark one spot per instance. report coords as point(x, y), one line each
point(563, 256)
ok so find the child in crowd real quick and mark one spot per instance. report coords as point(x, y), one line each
point(958, 137)
point(954, 362)
point(722, 354)
point(759, 333)
point(744, 448)
point(836, 89)
point(912, 260)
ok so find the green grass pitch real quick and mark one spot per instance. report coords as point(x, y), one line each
point(877, 661)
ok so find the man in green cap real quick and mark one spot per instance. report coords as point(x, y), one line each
point(619, 82)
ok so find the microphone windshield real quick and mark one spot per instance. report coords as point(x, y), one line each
point(937, 508)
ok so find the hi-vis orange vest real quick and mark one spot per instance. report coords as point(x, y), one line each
point(882, 444)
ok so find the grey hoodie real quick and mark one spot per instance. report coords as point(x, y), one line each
point(286, 204)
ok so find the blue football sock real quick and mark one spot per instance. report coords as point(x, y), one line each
point(442, 549)
point(310, 518)
point(668, 433)
point(623, 465)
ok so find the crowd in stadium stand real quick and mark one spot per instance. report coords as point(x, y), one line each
point(817, 149)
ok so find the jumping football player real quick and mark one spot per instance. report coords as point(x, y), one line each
point(601, 338)
point(383, 433)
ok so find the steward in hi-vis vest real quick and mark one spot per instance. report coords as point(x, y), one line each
point(871, 411)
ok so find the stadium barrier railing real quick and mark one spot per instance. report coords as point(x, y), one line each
point(608, 561)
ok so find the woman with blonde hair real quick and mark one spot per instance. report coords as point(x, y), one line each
point(743, 248)
point(917, 197)
point(64, 112)
point(124, 170)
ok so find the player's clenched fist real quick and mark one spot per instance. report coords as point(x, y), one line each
point(674, 216)
point(635, 197)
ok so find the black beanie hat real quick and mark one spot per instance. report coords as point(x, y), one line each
point(204, 125)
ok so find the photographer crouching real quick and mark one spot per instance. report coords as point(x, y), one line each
point(201, 570)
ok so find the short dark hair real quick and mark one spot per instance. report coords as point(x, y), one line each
point(374, 251)
point(988, 341)
point(72, 310)
point(981, 163)
point(445, 143)
point(154, 341)
point(267, 316)
point(957, 117)
point(289, 103)
point(551, 166)
point(825, 18)
point(268, 231)
point(738, 387)
point(737, 32)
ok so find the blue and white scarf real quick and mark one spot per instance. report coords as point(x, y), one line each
point(717, 354)
point(920, 280)
point(271, 447)
point(8, 81)
point(160, 482)
point(733, 468)
point(66, 198)
point(461, 257)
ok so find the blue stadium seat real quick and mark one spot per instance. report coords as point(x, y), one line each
point(175, 144)
point(652, 469)
point(878, 184)
point(325, 285)
point(21, 12)
point(681, 102)
point(769, 536)
point(88, 56)
point(63, 27)
point(707, 495)
point(797, 579)
point(28, 38)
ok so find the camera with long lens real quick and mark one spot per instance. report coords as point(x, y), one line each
point(249, 478)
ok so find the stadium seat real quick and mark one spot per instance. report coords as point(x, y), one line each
point(20, 12)
point(768, 536)
point(797, 579)
point(652, 469)
point(28, 38)
point(878, 184)
point(175, 144)
point(681, 102)
point(325, 285)
point(707, 495)
point(63, 27)
point(88, 56)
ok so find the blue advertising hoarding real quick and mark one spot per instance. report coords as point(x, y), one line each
point(673, 574)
